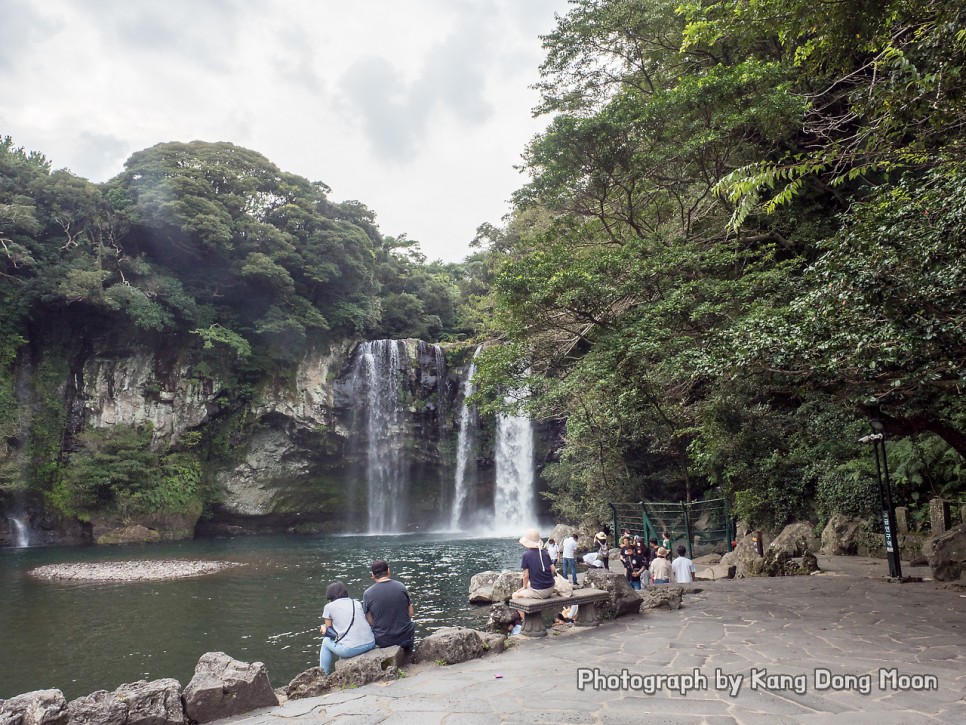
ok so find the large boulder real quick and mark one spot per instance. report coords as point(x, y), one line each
point(560, 532)
point(378, 665)
point(622, 600)
point(947, 555)
point(223, 687)
point(780, 563)
point(40, 707)
point(796, 540)
point(843, 536)
point(481, 587)
point(722, 570)
point(138, 703)
point(500, 616)
point(493, 642)
point(662, 595)
point(745, 558)
point(505, 584)
point(449, 646)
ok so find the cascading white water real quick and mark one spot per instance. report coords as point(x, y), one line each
point(23, 533)
point(439, 368)
point(465, 445)
point(386, 461)
point(513, 504)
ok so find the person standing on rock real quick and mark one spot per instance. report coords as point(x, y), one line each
point(570, 556)
point(682, 567)
point(347, 633)
point(388, 609)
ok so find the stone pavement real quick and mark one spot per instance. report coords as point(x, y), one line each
point(744, 651)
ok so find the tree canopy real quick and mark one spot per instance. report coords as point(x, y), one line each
point(740, 238)
point(199, 248)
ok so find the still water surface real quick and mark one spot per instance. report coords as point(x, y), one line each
point(85, 637)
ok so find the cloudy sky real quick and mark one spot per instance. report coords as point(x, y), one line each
point(417, 108)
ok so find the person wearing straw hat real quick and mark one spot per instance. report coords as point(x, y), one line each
point(661, 567)
point(538, 570)
point(603, 552)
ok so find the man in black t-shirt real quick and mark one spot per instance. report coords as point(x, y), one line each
point(634, 564)
point(388, 609)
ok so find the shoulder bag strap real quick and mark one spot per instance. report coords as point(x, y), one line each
point(351, 622)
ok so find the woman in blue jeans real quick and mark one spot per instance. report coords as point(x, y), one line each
point(345, 618)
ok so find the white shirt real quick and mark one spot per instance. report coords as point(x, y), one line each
point(683, 570)
point(570, 548)
point(340, 611)
point(553, 550)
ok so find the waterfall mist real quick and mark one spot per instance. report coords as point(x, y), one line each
point(23, 533)
point(513, 504)
point(380, 363)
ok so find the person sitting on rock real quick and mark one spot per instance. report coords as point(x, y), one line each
point(389, 609)
point(347, 633)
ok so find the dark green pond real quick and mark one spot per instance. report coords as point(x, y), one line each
point(85, 637)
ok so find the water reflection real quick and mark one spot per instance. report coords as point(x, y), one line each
point(84, 637)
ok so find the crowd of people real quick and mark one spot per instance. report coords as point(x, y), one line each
point(651, 564)
point(384, 617)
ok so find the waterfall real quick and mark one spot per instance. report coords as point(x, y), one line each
point(513, 505)
point(465, 445)
point(439, 375)
point(23, 533)
point(380, 363)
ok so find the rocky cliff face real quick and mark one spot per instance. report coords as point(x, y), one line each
point(292, 457)
point(303, 452)
point(132, 391)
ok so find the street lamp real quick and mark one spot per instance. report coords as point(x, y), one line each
point(877, 439)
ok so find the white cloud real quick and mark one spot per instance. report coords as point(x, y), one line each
point(418, 109)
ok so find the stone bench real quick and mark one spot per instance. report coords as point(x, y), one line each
point(585, 599)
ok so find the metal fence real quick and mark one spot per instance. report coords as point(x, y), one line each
point(703, 527)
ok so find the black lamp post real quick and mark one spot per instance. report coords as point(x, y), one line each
point(877, 439)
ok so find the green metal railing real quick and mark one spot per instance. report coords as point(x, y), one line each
point(702, 527)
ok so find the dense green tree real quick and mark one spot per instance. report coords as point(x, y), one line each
point(201, 250)
point(735, 240)
point(261, 252)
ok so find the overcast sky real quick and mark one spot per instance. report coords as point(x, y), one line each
point(417, 108)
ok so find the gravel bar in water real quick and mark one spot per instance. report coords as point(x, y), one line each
point(130, 571)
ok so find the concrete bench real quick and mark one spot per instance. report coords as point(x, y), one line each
point(585, 599)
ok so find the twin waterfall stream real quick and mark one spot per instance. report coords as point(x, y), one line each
point(381, 428)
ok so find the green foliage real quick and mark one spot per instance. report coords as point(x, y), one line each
point(417, 300)
point(117, 472)
point(883, 81)
point(850, 489)
point(231, 340)
point(741, 234)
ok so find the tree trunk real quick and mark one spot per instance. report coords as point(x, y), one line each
point(921, 423)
